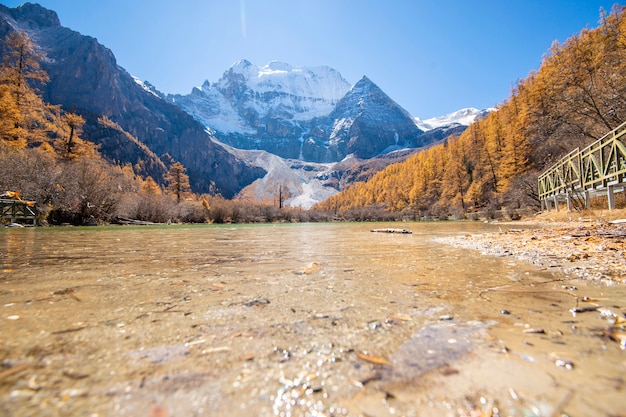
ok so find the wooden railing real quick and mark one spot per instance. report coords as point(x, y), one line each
point(14, 209)
point(599, 166)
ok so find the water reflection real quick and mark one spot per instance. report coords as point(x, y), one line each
point(17, 248)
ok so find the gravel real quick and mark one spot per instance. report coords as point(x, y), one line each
point(589, 250)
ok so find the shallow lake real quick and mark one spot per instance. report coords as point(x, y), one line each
point(296, 320)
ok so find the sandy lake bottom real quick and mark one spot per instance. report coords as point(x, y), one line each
point(298, 320)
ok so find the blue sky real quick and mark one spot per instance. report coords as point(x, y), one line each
point(432, 57)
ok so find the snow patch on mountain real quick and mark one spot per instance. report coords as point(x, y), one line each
point(300, 181)
point(209, 106)
point(147, 87)
point(463, 117)
point(276, 90)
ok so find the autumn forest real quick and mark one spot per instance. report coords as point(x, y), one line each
point(577, 95)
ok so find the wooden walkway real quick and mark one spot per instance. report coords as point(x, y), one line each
point(598, 169)
point(14, 209)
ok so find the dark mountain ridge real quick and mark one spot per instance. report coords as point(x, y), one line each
point(366, 122)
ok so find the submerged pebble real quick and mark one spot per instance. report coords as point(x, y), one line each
point(564, 364)
point(280, 355)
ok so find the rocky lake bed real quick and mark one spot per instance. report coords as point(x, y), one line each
point(454, 319)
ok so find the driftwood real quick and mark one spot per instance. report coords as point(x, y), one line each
point(390, 230)
point(131, 222)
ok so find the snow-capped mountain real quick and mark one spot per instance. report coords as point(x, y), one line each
point(247, 94)
point(283, 90)
point(306, 113)
point(302, 124)
point(463, 117)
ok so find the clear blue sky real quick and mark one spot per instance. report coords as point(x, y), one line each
point(432, 57)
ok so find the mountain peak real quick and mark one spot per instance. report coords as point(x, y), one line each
point(34, 16)
point(366, 85)
point(241, 66)
point(278, 90)
point(276, 66)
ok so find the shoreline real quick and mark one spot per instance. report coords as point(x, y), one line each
point(592, 247)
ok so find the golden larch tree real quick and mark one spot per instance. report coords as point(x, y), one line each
point(177, 180)
point(21, 108)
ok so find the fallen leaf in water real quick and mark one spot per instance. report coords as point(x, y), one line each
point(74, 375)
point(308, 269)
point(373, 359)
point(156, 411)
point(619, 321)
point(619, 337)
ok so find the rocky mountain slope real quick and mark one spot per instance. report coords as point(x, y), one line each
point(85, 78)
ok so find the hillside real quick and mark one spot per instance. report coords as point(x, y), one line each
point(577, 95)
